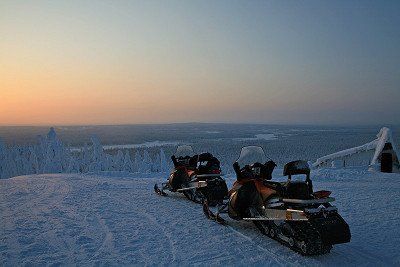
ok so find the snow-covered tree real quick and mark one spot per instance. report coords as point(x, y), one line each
point(118, 161)
point(49, 155)
point(128, 164)
point(2, 159)
point(14, 161)
point(41, 149)
point(73, 165)
point(85, 158)
point(137, 165)
point(54, 155)
point(147, 162)
point(98, 157)
point(163, 162)
point(32, 165)
point(156, 164)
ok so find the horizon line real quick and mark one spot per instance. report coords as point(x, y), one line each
point(204, 122)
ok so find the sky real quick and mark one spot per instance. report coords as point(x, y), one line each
point(122, 62)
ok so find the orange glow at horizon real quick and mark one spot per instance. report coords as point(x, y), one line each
point(53, 96)
point(126, 62)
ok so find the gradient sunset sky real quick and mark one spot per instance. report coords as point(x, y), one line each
point(120, 62)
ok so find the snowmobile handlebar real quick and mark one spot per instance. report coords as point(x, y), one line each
point(256, 170)
point(173, 158)
point(236, 168)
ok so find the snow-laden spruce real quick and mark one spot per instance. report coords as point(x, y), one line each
point(50, 155)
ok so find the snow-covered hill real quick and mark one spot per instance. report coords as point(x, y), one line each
point(117, 219)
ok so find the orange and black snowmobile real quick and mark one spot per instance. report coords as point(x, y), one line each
point(196, 176)
point(289, 212)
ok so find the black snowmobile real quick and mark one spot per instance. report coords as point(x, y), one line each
point(289, 212)
point(196, 176)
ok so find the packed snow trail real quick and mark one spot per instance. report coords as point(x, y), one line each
point(118, 219)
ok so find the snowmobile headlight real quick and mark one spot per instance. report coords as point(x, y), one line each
point(201, 184)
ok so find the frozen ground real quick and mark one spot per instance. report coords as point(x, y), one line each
point(117, 219)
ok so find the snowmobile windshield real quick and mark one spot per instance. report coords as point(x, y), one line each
point(250, 155)
point(184, 150)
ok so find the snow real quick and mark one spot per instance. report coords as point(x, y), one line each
point(145, 145)
point(151, 144)
point(266, 137)
point(115, 218)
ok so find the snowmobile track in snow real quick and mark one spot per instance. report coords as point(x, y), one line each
point(95, 219)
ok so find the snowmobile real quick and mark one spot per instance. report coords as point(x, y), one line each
point(196, 176)
point(289, 212)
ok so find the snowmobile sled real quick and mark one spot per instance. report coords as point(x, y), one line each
point(196, 176)
point(289, 212)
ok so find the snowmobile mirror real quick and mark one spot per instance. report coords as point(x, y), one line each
point(236, 168)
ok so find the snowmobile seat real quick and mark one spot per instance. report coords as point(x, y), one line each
point(277, 186)
point(205, 156)
point(298, 189)
point(296, 167)
point(212, 164)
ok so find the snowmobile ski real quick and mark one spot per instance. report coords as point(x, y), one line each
point(159, 191)
point(211, 215)
point(195, 185)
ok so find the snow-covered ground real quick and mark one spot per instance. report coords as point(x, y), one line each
point(266, 137)
point(115, 218)
point(156, 143)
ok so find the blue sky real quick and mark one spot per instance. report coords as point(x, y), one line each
point(90, 62)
